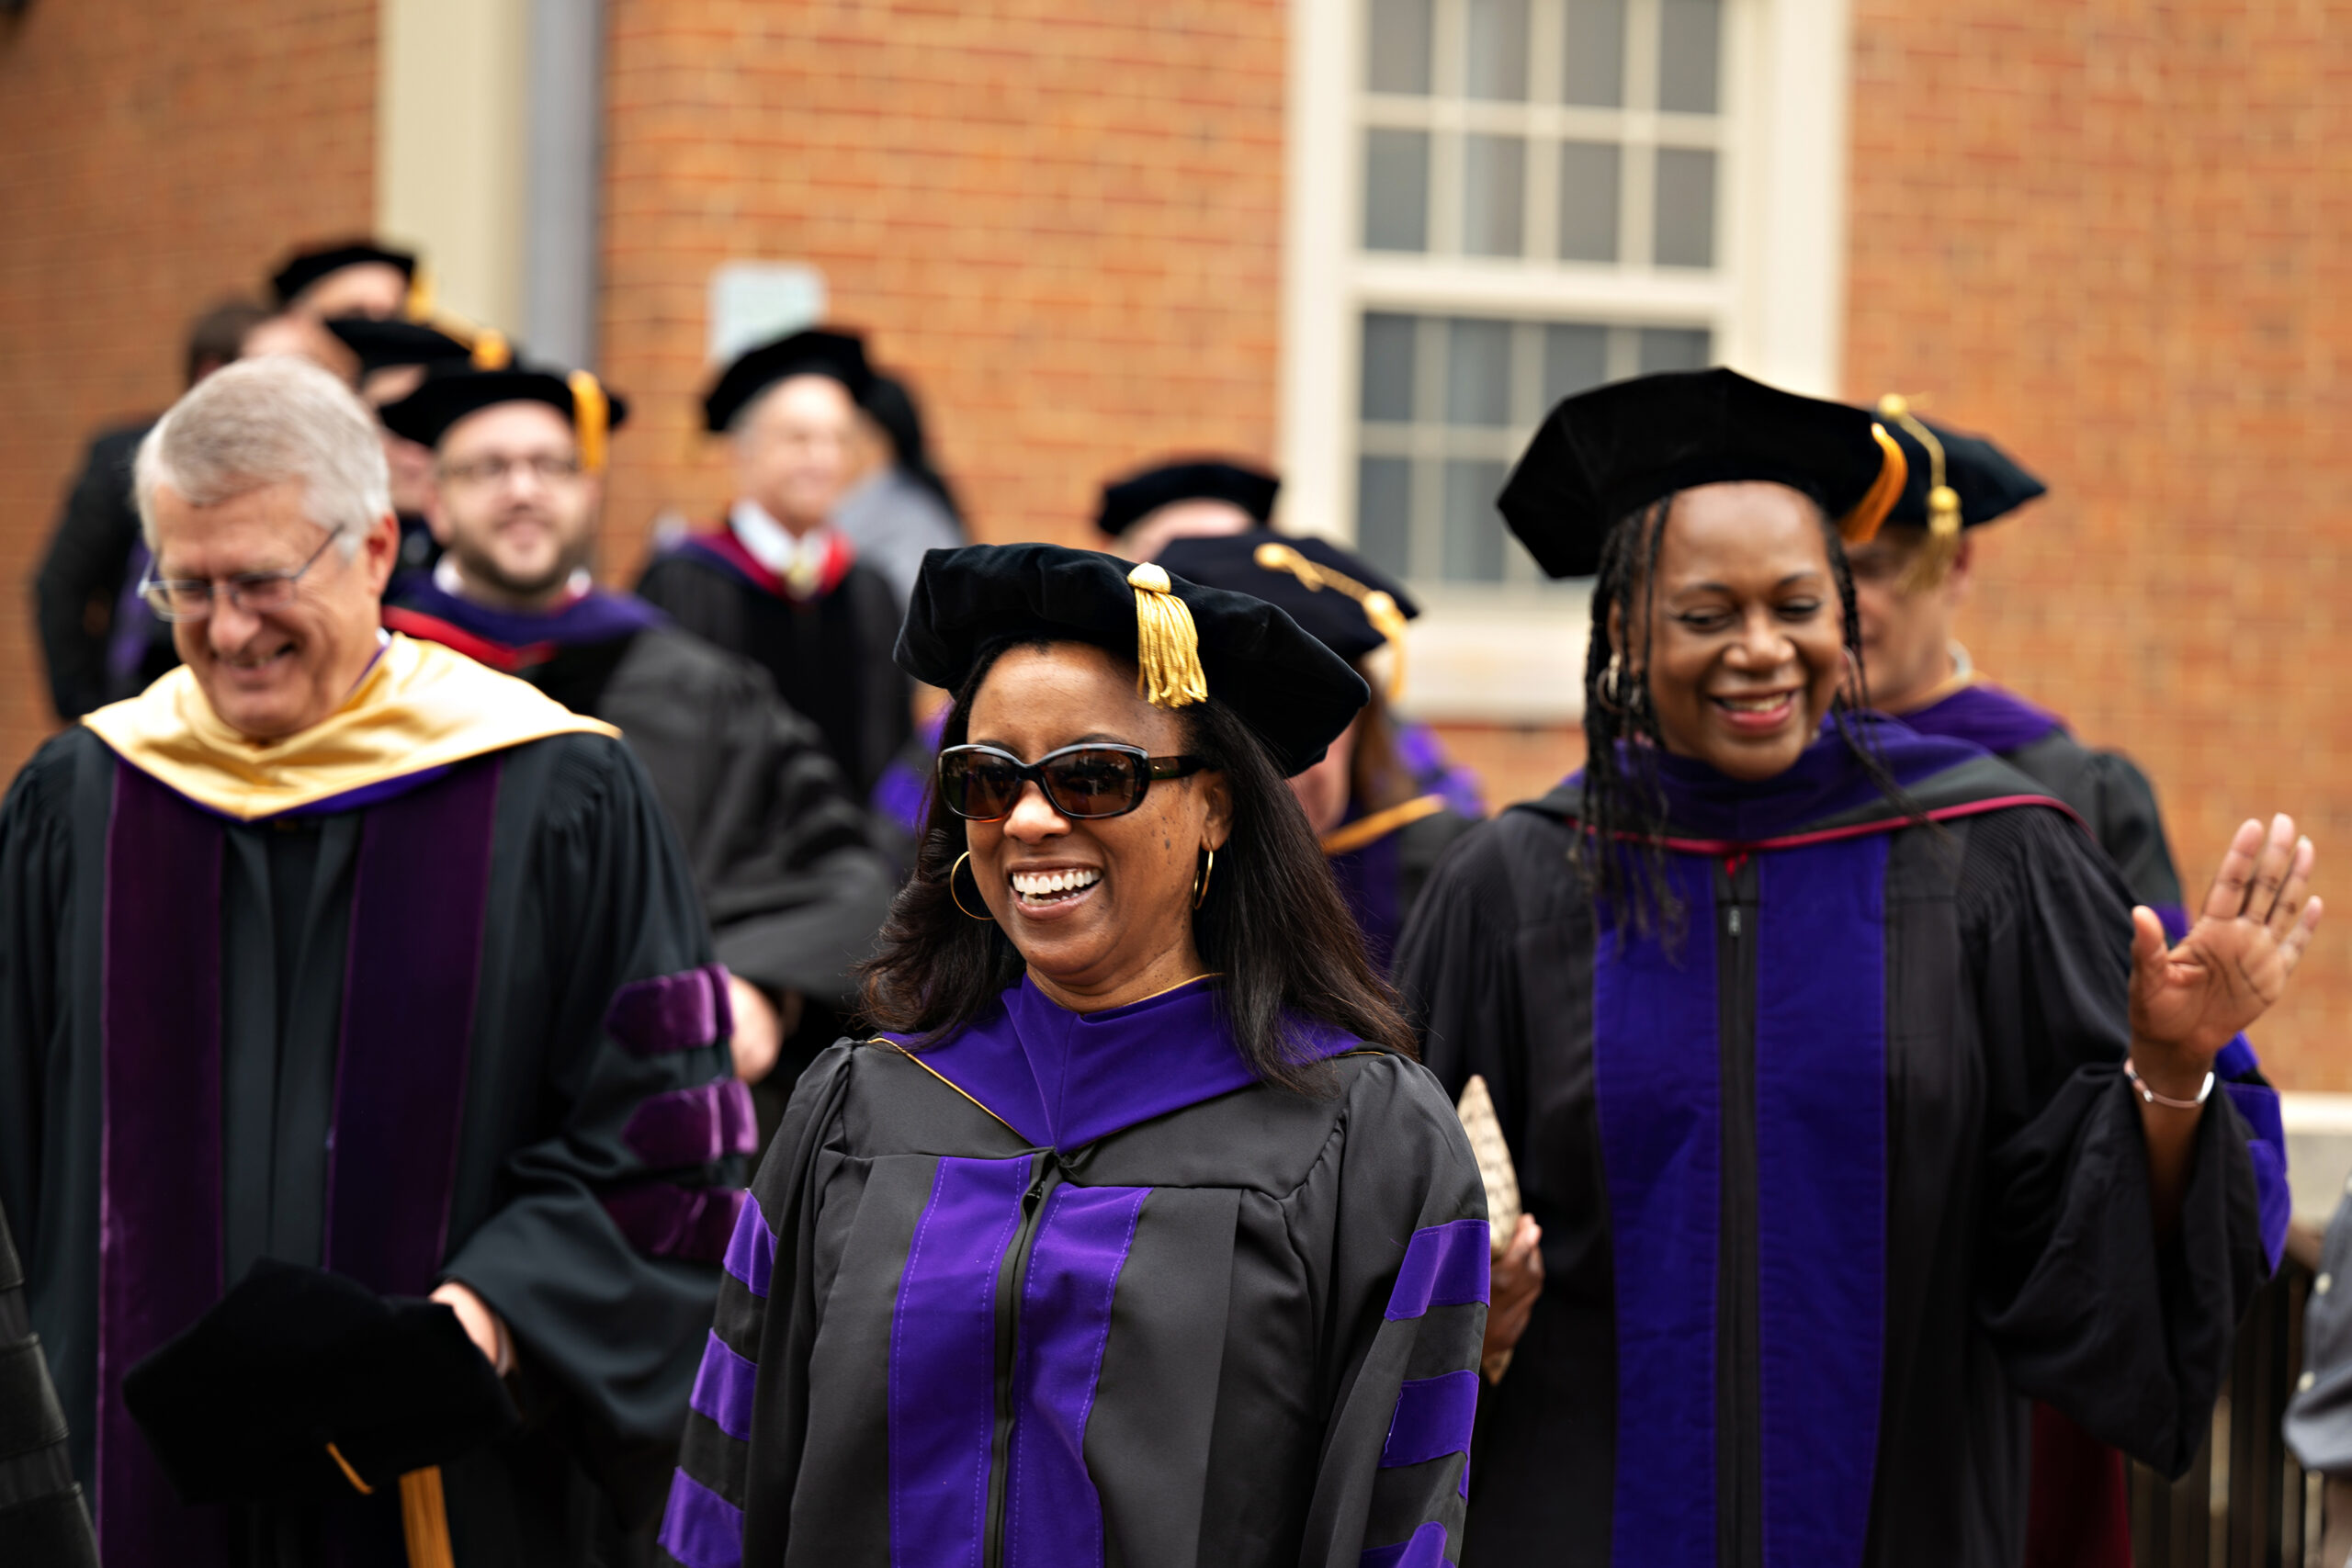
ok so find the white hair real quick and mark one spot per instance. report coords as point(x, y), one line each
point(267, 422)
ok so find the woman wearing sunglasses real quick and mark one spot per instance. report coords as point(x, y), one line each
point(1137, 1236)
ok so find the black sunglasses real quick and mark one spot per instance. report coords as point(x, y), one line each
point(1096, 779)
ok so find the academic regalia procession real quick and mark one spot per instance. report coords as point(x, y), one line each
point(1065, 1285)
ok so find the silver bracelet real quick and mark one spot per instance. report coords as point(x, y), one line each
point(2153, 1098)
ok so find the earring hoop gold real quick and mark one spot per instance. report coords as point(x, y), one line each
point(958, 897)
point(1201, 882)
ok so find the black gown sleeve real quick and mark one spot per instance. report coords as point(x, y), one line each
point(43, 1521)
point(2132, 829)
point(36, 908)
point(83, 570)
point(2085, 1311)
point(1456, 968)
point(887, 715)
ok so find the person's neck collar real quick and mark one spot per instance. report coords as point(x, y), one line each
point(1958, 673)
point(451, 578)
point(1132, 994)
point(773, 542)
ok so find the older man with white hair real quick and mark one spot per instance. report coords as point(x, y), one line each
point(338, 951)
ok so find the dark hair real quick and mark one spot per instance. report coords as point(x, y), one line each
point(1272, 923)
point(890, 405)
point(1624, 810)
point(218, 336)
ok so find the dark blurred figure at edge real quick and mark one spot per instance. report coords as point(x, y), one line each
point(1380, 833)
point(903, 506)
point(783, 854)
point(1909, 583)
point(775, 581)
point(394, 356)
point(43, 1522)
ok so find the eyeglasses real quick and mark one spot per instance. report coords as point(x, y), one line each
point(983, 783)
point(549, 467)
point(256, 592)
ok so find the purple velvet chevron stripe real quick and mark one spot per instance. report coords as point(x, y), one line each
point(699, 1528)
point(672, 1012)
point(1053, 1514)
point(419, 897)
point(1444, 1266)
point(723, 1388)
point(159, 1145)
point(1657, 1082)
point(1426, 1550)
point(1820, 1193)
point(750, 1251)
point(1433, 1419)
point(693, 1126)
point(943, 1363)
point(662, 1219)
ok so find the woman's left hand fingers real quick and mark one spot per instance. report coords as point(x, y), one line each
point(2295, 893)
point(2279, 854)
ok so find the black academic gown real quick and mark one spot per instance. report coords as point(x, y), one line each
point(1382, 859)
point(1832, 1188)
point(830, 654)
point(94, 655)
point(1181, 1318)
point(230, 1053)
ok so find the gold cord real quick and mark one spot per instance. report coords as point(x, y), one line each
point(1860, 526)
point(1167, 644)
point(348, 1473)
point(424, 1519)
point(1941, 547)
point(1379, 608)
point(591, 417)
point(1370, 830)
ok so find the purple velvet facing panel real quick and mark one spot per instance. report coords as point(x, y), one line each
point(723, 1388)
point(694, 1224)
point(1426, 1550)
point(750, 1250)
point(699, 1528)
point(1433, 1419)
point(1052, 1513)
point(693, 1126)
point(672, 1012)
point(1444, 1266)
point(419, 897)
point(943, 1363)
point(159, 1158)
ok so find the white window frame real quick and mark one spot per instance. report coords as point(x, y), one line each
point(1776, 307)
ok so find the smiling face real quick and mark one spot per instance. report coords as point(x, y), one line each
point(511, 505)
point(1747, 646)
point(1100, 910)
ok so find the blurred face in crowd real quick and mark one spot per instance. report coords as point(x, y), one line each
point(1101, 908)
point(1906, 631)
point(411, 461)
point(1745, 647)
point(1323, 789)
point(795, 450)
point(301, 336)
point(376, 289)
point(1155, 531)
point(512, 506)
point(269, 671)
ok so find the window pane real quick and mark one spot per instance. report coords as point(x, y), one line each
point(1474, 529)
point(1495, 66)
point(1595, 67)
point(1384, 512)
point(1685, 207)
point(1396, 190)
point(1388, 366)
point(1688, 45)
point(1674, 348)
point(1400, 46)
point(1575, 359)
point(1589, 200)
point(1477, 373)
point(1494, 178)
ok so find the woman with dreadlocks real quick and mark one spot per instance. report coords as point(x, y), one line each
point(1857, 1105)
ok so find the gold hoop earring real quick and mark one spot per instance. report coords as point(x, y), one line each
point(1201, 882)
point(958, 897)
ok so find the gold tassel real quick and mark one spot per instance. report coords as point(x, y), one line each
point(424, 1519)
point(1379, 608)
point(1168, 645)
point(590, 415)
point(1860, 526)
point(491, 350)
point(1942, 546)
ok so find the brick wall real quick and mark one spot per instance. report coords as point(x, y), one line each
point(155, 155)
point(2117, 236)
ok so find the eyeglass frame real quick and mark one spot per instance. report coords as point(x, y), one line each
point(238, 586)
point(1182, 765)
point(566, 469)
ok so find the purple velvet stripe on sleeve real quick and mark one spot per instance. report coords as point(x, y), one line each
point(750, 1251)
point(699, 1528)
point(693, 1126)
point(1052, 1513)
point(664, 1220)
point(1432, 1419)
point(671, 1012)
point(723, 1388)
point(1656, 1075)
point(1426, 1550)
point(1444, 1266)
point(943, 1363)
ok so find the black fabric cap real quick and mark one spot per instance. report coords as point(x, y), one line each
point(1295, 693)
point(241, 1406)
point(817, 352)
point(1332, 616)
point(1128, 501)
point(451, 392)
point(1603, 454)
point(306, 266)
point(383, 345)
point(1990, 482)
